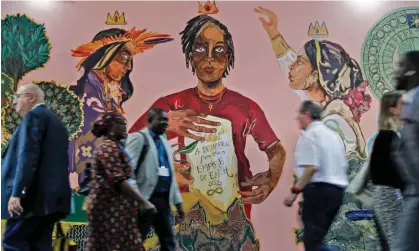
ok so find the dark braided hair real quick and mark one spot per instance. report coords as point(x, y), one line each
point(191, 31)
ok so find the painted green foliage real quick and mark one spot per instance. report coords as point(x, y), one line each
point(59, 99)
point(25, 46)
point(6, 88)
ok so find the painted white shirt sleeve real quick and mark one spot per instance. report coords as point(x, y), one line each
point(285, 63)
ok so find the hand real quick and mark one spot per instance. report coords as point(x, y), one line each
point(180, 178)
point(271, 26)
point(264, 184)
point(14, 207)
point(149, 207)
point(289, 200)
point(181, 215)
point(183, 120)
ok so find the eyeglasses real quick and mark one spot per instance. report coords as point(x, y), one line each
point(18, 95)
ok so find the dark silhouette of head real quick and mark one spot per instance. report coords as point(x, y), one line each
point(407, 75)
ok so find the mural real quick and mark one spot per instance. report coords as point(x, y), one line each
point(211, 124)
point(211, 120)
point(106, 63)
point(325, 73)
point(386, 42)
point(25, 47)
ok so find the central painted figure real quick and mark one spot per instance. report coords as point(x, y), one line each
point(208, 126)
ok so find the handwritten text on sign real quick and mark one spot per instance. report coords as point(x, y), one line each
point(214, 166)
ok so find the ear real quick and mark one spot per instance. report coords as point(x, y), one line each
point(33, 98)
point(312, 79)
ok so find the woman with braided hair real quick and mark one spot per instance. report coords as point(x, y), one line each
point(113, 203)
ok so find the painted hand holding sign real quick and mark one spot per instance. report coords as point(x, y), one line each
point(214, 166)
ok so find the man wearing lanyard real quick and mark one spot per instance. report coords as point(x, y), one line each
point(155, 176)
point(407, 156)
point(321, 168)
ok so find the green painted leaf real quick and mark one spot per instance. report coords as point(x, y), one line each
point(189, 148)
point(6, 88)
point(24, 41)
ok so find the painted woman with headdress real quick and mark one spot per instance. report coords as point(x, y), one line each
point(107, 62)
point(324, 72)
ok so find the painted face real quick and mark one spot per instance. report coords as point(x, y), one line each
point(303, 77)
point(301, 73)
point(209, 54)
point(23, 101)
point(121, 63)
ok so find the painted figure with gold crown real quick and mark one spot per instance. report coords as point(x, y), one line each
point(209, 125)
point(322, 71)
point(106, 62)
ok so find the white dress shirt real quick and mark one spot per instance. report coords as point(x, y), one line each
point(321, 147)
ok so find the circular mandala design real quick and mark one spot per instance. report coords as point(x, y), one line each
point(60, 100)
point(387, 41)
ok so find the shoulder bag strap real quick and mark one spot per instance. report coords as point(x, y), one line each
point(143, 154)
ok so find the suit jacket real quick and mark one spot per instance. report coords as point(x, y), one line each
point(35, 166)
point(407, 155)
point(147, 175)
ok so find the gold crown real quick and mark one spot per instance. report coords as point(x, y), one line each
point(317, 30)
point(208, 8)
point(116, 19)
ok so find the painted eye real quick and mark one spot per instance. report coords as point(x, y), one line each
point(219, 49)
point(199, 49)
point(125, 56)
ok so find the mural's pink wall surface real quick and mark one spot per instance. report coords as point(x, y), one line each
point(256, 73)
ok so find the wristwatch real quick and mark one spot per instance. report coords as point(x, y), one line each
point(295, 190)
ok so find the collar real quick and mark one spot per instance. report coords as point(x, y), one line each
point(153, 135)
point(37, 105)
point(313, 124)
point(409, 97)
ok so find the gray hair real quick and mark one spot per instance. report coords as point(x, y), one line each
point(314, 109)
point(35, 89)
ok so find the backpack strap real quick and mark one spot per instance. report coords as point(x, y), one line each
point(143, 154)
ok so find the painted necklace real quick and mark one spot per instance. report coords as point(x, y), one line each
point(211, 105)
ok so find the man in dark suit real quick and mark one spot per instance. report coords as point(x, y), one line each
point(35, 188)
point(407, 154)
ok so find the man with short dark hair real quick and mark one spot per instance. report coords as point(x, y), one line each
point(35, 189)
point(407, 154)
point(321, 169)
point(155, 176)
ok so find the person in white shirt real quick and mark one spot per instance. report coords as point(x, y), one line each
point(321, 169)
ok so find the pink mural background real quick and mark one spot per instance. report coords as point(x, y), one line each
point(256, 74)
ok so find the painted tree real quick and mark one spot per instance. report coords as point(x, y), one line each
point(59, 99)
point(25, 46)
point(6, 88)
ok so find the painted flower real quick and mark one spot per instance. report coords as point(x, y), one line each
point(357, 101)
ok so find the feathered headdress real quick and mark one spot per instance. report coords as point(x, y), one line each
point(143, 41)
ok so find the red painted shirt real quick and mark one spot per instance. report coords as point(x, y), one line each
point(246, 116)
